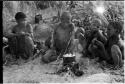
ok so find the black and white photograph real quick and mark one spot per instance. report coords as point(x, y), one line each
point(63, 41)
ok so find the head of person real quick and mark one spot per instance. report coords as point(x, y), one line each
point(76, 22)
point(114, 28)
point(96, 23)
point(38, 18)
point(87, 18)
point(20, 18)
point(66, 17)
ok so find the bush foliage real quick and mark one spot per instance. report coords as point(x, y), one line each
point(78, 9)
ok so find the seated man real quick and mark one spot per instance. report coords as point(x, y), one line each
point(20, 37)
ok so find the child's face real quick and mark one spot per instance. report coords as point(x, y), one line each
point(95, 25)
point(110, 31)
point(65, 20)
point(22, 21)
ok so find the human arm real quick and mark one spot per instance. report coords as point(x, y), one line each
point(30, 30)
point(10, 32)
point(101, 48)
point(53, 34)
point(72, 31)
point(101, 37)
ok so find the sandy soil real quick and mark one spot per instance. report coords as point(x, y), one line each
point(36, 72)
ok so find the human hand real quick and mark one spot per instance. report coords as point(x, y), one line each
point(23, 33)
point(20, 33)
point(52, 46)
point(27, 34)
point(99, 33)
point(94, 40)
point(99, 44)
point(5, 39)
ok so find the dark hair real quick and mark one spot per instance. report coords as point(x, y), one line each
point(117, 26)
point(38, 18)
point(20, 15)
point(66, 15)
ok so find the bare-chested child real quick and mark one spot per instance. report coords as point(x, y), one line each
point(113, 47)
point(63, 35)
point(95, 33)
point(22, 28)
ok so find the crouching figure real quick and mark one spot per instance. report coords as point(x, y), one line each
point(20, 38)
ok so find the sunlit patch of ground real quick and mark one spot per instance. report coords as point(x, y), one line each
point(35, 72)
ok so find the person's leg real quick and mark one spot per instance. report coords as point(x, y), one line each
point(29, 47)
point(48, 42)
point(13, 45)
point(98, 50)
point(70, 47)
point(75, 45)
point(49, 56)
point(116, 55)
point(92, 50)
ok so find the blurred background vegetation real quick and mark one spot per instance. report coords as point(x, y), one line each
point(78, 9)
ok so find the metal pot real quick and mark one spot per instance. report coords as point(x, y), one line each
point(68, 59)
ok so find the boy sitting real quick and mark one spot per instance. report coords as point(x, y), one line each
point(20, 37)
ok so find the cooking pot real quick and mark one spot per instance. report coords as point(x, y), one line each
point(68, 59)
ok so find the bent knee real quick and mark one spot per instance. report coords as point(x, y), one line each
point(115, 49)
point(116, 54)
point(29, 38)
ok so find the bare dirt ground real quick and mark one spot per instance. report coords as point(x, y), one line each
point(36, 72)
